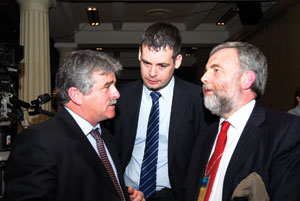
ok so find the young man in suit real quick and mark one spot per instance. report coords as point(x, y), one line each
point(257, 141)
point(180, 117)
point(66, 157)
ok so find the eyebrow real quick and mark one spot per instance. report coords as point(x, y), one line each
point(215, 65)
point(162, 64)
point(145, 60)
point(109, 83)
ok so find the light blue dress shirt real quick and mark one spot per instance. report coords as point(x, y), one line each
point(133, 169)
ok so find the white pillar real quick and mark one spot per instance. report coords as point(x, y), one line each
point(35, 67)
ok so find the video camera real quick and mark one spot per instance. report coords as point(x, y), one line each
point(10, 56)
point(12, 108)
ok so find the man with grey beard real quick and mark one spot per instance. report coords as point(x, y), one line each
point(248, 139)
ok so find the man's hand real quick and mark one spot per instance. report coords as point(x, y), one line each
point(135, 195)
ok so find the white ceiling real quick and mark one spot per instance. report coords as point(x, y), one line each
point(122, 22)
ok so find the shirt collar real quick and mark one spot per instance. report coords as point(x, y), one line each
point(166, 92)
point(239, 119)
point(84, 125)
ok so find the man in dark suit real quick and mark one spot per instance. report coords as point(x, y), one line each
point(180, 115)
point(61, 159)
point(258, 141)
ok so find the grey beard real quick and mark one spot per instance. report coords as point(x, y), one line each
point(218, 105)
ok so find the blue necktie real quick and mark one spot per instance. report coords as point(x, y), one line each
point(149, 165)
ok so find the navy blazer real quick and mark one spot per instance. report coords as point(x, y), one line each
point(54, 160)
point(187, 116)
point(269, 145)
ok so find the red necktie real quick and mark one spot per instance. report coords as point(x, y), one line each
point(213, 163)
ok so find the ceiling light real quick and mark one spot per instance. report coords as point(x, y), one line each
point(190, 51)
point(157, 13)
point(227, 17)
point(93, 16)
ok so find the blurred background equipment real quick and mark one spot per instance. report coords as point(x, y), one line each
point(10, 106)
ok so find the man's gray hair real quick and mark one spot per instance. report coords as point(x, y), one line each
point(251, 59)
point(77, 68)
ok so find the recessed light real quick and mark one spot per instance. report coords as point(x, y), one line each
point(157, 13)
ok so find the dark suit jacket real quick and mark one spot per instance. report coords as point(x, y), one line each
point(269, 146)
point(54, 160)
point(186, 119)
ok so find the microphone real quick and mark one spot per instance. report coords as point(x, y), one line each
point(44, 98)
point(35, 105)
point(41, 99)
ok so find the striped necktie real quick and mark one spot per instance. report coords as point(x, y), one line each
point(103, 156)
point(149, 164)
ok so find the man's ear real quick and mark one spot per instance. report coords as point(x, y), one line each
point(75, 95)
point(248, 78)
point(178, 61)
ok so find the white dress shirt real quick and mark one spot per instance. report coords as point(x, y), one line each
point(86, 128)
point(237, 122)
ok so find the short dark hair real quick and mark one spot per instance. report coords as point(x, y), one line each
point(76, 71)
point(160, 35)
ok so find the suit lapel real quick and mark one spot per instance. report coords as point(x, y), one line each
point(247, 141)
point(206, 146)
point(90, 156)
point(84, 149)
point(174, 126)
point(199, 159)
point(132, 116)
point(135, 110)
point(106, 137)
